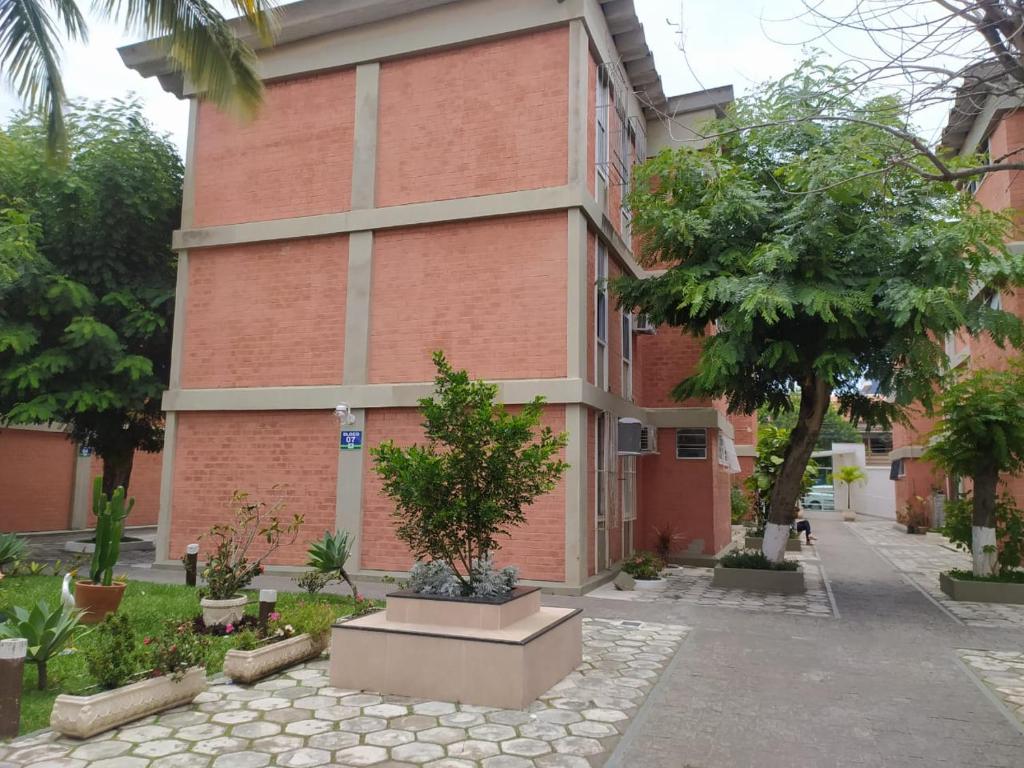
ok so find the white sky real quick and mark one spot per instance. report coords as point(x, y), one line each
point(741, 42)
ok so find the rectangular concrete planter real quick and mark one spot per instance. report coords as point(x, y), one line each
point(85, 716)
point(760, 580)
point(756, 542)
point(247, 666)
point(981, 591)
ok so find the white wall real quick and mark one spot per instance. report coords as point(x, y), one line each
point(874, 496)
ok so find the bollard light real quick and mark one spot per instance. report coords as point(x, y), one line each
point(191, 564)
point(268, 599)
point(12, 667)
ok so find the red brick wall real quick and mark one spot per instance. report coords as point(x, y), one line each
point(37, 473)
point(476, 120)
point(253, 451)
point(143, 485)
point(538, 548)
point(491, 294)
point(667, 357)
point(266, 314)
point(293, 159)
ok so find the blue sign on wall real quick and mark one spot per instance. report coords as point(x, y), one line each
point(351, 439)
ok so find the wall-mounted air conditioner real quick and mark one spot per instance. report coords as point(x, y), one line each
point(643, 324)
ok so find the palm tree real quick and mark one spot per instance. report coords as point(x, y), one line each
point(199, 41)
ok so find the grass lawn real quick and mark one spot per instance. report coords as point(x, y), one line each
point(148, 605)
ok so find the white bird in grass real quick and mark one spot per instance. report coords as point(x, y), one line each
point(65, 592)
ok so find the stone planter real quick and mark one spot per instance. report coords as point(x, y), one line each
point(223, 612)
point(96, 601)
point(760, 580)
point(849, 516)
point(247, 666)
point(641, 584)
point(756, 542)
point(981, 591)
point(85, 716)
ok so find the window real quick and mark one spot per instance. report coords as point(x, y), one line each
point(601, 495)
point(601, 318)
point(897, 470)
point(601, 149)
point(627, 356)
point(992, 298)
point(628, 152)
point(628, 504)
point(691, 443)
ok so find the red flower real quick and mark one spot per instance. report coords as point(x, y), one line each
point(147, 640)
point(173, 648)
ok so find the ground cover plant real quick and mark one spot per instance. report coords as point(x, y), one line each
point(755, 560)
point(148, 607)
point(646, 566)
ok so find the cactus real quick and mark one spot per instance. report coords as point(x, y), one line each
point(110, 513)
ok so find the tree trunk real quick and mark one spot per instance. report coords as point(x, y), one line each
point(117, 470)
point(983, 522)
point(814, 401)
point(41, 675)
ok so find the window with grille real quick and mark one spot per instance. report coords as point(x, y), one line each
point(601, 318)
point(627, 356)
point(691, 443)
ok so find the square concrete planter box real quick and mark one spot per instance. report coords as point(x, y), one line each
point(756, 542)
point(981, 591)
point(760, 580)
point(247, 666)
point(85, 716)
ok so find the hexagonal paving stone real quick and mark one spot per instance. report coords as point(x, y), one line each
point(578, 745)
point(219, 745)
point(389, 738)
point(308, 727)
point(160, 747)
point(604, 715)
point(385, 710)
point(473, 749)
point(593, 729)
point(562, 761)
point(314, 702)
point(336, 712)
point(235, 717)
point(525, 747)
point(413, 723)
point(304, 757)
point(508, 717)
point(506, 761)
point(361, 755)
point(296, 692)
point(200, 732)
point(450, 762)
point(417, 752)
point(59, 762)
point(559, 716)
point(462, 719)
point(277, 744)
point(97, 750)
point(287, 715)
point(541, 730)
point(491, 732)
point(334, 740)
point(256, 730)
point(183, 760)
point(269, 703)
point(246, 694)
point(143, 733)
point(121, 762)
point(302, 673)
point(274, 684)
point(363, 724)
point(434, 708)
point(442, 735)
point(242, 760)
point(361, 700)
point(182, 719)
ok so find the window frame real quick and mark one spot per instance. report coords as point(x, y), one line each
point(601, 377)
point(692, 431)
point(627, 355)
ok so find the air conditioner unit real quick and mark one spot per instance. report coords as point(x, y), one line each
point(643, 324)
point(648, 439)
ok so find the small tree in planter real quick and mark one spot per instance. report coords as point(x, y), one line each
point(456, 495)
point(981, 435)
point(101, 595)
point(229, 569)
point(849, 475)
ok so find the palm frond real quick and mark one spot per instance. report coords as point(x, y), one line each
point(201, 42)
point(30, 56)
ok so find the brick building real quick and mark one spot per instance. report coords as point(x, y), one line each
point(992, 125)
point(434, 174)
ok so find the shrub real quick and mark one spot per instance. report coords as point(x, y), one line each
point(48, 631)
point(175, 650)
point(13, 549)
point(229, 569)
point(771, 451)
point(313, 581)
point(113, 657)
point(439, 578)
point(329, 555)
point(914, 515)
point(1007, 577)
point(739, 505)
point(666, 539)
point(755, 560)
point(643, 565)
point(311, 618)
point(481, 467)
point(1009, 529)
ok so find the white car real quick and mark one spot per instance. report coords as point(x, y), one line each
point(819, 497)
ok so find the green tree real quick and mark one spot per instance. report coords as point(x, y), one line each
point(834, 428)
point(198, 40)
point(848, 475)
point(808, 262)
point(980, 435)
point(469, 484)
point(85, 312)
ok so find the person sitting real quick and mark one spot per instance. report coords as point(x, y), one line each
point(804, 527)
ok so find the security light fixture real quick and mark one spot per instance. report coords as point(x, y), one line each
point(344, 414)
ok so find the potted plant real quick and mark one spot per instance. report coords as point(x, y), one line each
point(100, 594)
point(914, 516)
point(645, 568)
point(849, 475)
point(167, 671)
point(229, 569)
point(300, 633)
point(755, 572)
point(469, 485)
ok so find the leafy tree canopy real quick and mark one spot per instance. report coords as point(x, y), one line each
point(807, 260)
point(87, 279)
point(834, 428)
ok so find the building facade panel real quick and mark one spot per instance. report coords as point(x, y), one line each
point(266, 314)
point(537, 548)
point(290, 456)
point(666, 358)
point(37, 472)
point(294, 158)
point(475, 120)
point(491, 294)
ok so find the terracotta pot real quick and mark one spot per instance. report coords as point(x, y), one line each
point(223, 612)
point(97, 600)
